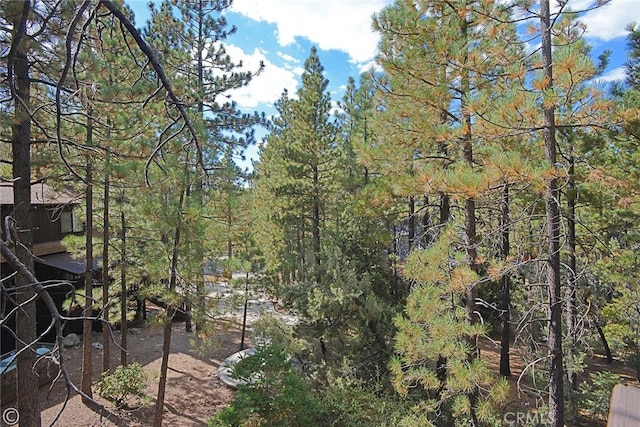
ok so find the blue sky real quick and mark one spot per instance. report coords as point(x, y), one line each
point(281, 32)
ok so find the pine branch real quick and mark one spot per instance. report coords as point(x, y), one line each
point(146, 49)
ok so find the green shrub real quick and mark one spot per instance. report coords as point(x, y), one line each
point(125, 381)
point(350, 402)
point(593, 398)
point(276, 396)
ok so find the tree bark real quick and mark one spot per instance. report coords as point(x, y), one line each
point(426, 223)
point(87, 323)
point(123, 287)
point(316, 224)
point(106, 335)
point(571, 308)
point(552, 213)
point(505, 307)
point(244, 311)
point(605, 344)
point(412, 222)
point(171, 311)
point(469, 205)
point(26, 326)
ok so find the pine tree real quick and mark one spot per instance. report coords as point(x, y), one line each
point(298, 161)
point(443, 61)
point(611, 193)
point(18, 72)
point(192, 47)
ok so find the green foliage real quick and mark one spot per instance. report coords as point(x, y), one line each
point(348, 313)
point(594, 397)
point(297, 177)
point(270, 328)
point(124, 382)
point(349, 402)
point(621, 308)
point(276, 396)
point(434, 357)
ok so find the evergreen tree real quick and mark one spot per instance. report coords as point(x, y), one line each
point(298, 161)
point(19, 85)
point(316, 229)
point(192, 48)
point(443, 61)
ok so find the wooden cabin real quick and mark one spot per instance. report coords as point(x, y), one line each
point(53, 218)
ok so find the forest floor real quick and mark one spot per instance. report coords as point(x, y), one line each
point(524, 400)
point(194, 392)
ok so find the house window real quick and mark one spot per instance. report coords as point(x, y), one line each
point(69, 223)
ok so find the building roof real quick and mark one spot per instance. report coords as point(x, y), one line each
point(41, 194)
point(67, 262)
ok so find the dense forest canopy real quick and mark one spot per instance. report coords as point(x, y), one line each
point(477, 187)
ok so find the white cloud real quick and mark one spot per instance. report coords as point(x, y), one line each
point(264, 88)
point(609, 21)
point(344, 25)
point(614, 75)
point(288, 58)
point(365, 67)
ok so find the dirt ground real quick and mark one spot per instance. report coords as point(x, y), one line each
point(193, 393)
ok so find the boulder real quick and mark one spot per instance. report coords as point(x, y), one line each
point(71, 340)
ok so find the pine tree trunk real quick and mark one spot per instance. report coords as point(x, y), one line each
point(300, 272)
point(412, 223)
point(505, 306)
point(171, 311)
point(470, 219)
point(316, 224)
point(26, 327)
point(395, 282)
point(106, 335)
point(244, 311)
point(443, 217)
point(124, 297)
point(552, 211)
point(88, 281)
point(605, 344)
point(470, 231)
point(445, 209)
point(571, 291)
point(426, 223)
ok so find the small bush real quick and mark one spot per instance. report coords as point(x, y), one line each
point(349, 402)
point(593, 399)
point(125, 381)
point(277, 396)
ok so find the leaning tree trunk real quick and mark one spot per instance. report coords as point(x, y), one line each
point(171, 311)
point(605, 344)
point(552, 211)
point(26, 327)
